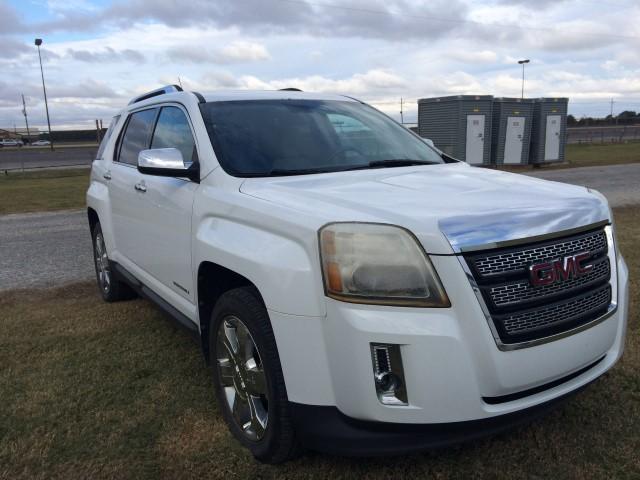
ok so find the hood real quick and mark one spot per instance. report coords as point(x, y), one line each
point(450, 208)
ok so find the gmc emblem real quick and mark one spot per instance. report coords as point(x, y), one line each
point(560, 270)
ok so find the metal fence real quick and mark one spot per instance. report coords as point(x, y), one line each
point(609, 134)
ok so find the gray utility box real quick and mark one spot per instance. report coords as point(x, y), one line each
point(549, 132)
point(512, 119)
point(459, 125)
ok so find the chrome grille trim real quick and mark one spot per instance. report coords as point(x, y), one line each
point(502, 263)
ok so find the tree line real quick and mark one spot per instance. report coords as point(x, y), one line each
point(628, 117)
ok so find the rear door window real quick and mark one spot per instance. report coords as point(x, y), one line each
point(137, 136)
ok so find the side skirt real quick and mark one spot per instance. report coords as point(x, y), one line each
point(141, 289)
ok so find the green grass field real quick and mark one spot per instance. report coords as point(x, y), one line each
point(96, 390)
point(606, 154)
point(45, 190)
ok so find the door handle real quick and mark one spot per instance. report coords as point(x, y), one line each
point(106, 175)
point(141, 187)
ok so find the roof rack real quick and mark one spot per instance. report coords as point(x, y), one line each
point(155, 93)
point(290, 89)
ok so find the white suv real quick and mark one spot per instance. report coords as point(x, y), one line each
point(11, 142)
point(355, 290)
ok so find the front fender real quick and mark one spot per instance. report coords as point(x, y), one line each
point(285, 270)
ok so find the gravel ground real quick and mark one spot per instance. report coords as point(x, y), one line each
point(47, 249)
point(44, 249)
point(619, 183)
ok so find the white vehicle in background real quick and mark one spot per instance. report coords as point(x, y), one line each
point(11, 142)
point(40, 143)
point(354, 290)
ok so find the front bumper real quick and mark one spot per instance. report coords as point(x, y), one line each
point(452, 364)
point(326, 429)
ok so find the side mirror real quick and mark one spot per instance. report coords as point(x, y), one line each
point(167, 162)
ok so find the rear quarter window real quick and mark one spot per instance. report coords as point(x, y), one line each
point(107, 136)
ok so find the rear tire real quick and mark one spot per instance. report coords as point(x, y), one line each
point(111, 287)
point(247, 376)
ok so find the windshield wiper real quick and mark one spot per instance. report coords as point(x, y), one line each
point(399, 162)
point(396, 162)
point(282, 172)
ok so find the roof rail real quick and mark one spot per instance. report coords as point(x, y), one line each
point(290, 89)
point(154, 93)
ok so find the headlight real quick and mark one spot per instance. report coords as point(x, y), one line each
point(379, 264)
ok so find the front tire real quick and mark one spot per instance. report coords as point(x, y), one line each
point(111, 288)
point(247, 376)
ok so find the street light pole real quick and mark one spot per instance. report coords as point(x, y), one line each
point(38, 42)
point(522, 62)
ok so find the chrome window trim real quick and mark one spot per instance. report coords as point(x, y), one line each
point(613, 306)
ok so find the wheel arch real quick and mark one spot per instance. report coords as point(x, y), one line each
point(213, 281)
point(93, 218)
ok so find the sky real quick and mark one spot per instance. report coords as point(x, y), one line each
point(97, 54)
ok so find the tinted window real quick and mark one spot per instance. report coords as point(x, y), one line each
point(107, 136)
point(173, 131)
point(136, 137)
point(262, 137)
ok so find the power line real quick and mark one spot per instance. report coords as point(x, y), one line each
point(455, 20)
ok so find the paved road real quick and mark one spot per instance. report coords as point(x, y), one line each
point(46, 249)
point(11, 159)
point(619, 183)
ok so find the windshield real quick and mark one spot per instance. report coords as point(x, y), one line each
point(291, 137)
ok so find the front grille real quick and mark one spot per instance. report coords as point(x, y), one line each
point(512, 261)
point(523, 312)
point(565, 311)
point(522, 292)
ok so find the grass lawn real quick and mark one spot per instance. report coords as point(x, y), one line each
point(608, 154)
point(43, 190)
point(96, 390)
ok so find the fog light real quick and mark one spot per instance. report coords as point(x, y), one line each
point(388, 374)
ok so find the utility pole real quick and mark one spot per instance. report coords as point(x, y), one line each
point(401, 112)
point(26, 121)
point(611, 108)
point(38, 42)
point(611, 114)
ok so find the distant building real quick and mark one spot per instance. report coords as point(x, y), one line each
point(21, 133)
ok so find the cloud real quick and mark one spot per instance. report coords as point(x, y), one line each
point(236, 52)
point(57, 6)
point(392, 19)
point(86, 89)
point(108, 54)
point(370, 82)
point(12, 48)
point(474, 56)
point(9, 20)
point(536, 5)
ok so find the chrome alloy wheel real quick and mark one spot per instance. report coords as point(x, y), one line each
point(242, 377)
point(102, 263)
